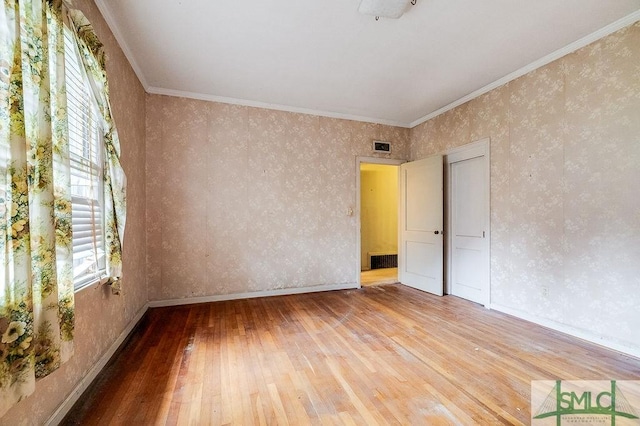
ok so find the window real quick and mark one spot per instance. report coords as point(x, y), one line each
point(87, 165)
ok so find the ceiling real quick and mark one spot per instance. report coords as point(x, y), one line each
point(324, 58)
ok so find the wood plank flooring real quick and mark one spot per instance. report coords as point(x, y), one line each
point(379, 355)
point(379, 276)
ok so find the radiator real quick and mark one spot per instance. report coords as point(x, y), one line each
point(380, 260)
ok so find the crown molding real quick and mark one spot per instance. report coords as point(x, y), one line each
point(277, 107)
point(570, 48)
point(115, 29)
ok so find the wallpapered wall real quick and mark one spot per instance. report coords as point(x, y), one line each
point(241, 199)
point(244, 199)
point(565, 200)
point(101, 317)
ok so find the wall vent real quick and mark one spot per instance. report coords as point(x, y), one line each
point(382, 146)
point(379, 261)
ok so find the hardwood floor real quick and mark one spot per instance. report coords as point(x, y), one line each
point(379, 355)
point(379, 276)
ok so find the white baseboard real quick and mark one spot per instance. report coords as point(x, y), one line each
point(252, 294)
point(566, 329)
point(82, 386)
point(86, 381)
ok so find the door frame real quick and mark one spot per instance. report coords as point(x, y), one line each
point(479, 148)
point(359, 161)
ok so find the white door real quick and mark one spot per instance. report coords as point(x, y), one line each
point(420, 225)
point(469, 224)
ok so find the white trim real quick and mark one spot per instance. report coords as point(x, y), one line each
point(112, 23)
point(570, 48)
point(97, 283)
point(378, 160)
point(571, 331)
point(115, 29)
point(277, 107)
point(252, 294)
point(359, 162)
point(479, 148)
point(64, 408)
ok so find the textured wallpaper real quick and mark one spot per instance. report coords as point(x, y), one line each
point(244, 199)
point(100, 316)
point(565, 194)
point(227, 199)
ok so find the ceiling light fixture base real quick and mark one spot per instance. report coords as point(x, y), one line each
point(392, 9)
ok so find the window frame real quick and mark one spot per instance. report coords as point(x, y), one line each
point(88, 134)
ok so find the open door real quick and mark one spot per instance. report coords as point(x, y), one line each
point(420, 252)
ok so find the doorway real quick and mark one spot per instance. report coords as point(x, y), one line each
point(378, 218)
point(467, 235)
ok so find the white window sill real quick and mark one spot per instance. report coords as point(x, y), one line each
point(99, 282)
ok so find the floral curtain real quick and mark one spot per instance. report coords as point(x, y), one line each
point(36, 254)
point(36, 259)
point(93, 60)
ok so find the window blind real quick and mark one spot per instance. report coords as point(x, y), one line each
point(85, 143)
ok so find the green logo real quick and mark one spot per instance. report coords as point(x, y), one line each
point(585, 401)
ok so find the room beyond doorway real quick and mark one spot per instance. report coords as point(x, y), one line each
point(378, 223)
point(378, 277)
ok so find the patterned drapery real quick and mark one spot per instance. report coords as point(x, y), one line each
point(36, 255)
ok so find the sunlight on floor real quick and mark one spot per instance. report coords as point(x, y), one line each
point(379, 276)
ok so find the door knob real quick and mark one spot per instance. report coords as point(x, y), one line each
point(436, 232)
